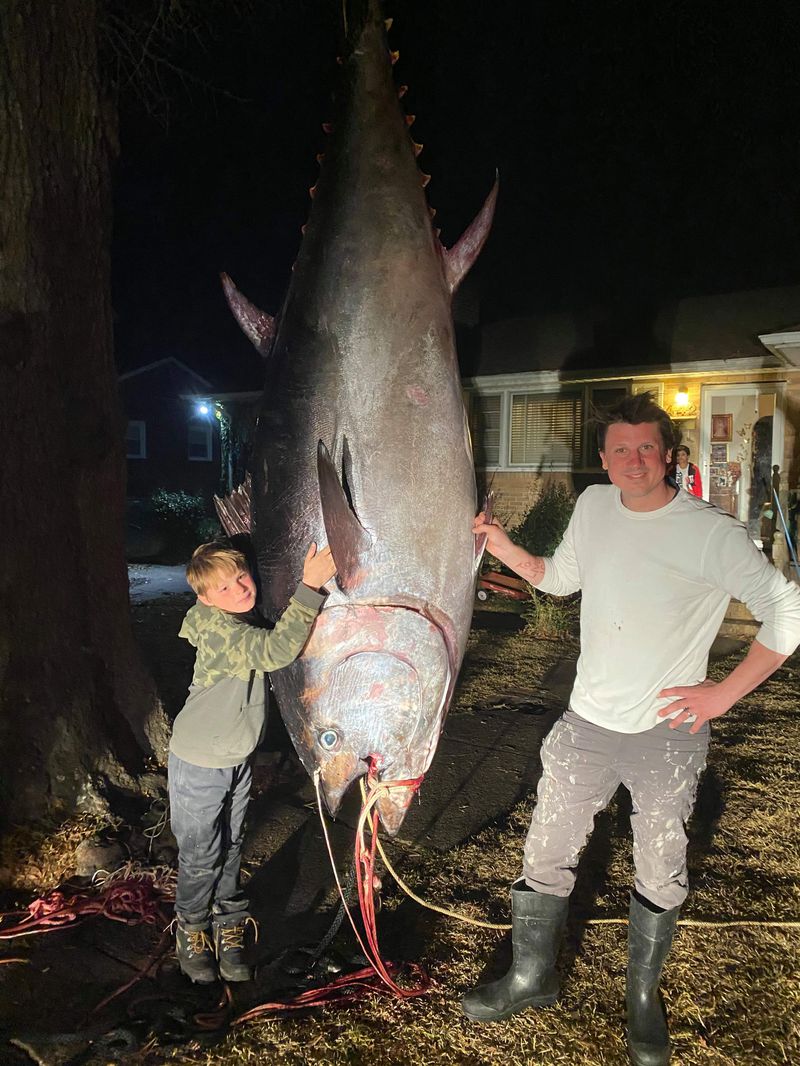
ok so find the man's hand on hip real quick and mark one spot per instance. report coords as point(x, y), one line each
point(703, 702)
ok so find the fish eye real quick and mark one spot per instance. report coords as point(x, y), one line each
point(329, 739)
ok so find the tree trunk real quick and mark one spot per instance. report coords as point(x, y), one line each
point(78, 711)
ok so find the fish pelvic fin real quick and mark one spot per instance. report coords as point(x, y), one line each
point(347, 538)
point(233, 510)
point(257, 325)
point(458, 260)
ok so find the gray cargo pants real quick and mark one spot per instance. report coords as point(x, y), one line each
point(582, 767)
point(207, 809)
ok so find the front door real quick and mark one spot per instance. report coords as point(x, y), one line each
point(741, 441)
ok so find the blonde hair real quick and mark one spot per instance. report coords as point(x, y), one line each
point(213, 560)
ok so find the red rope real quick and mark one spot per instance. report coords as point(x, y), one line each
point(365, 861)
point(379, 978)
point(129, 901)
point(133, 901)
point(344, 990)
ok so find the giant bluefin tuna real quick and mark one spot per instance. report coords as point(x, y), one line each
point(362, 441)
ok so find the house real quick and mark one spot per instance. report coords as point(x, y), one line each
point(725, 367)
point(173, 430)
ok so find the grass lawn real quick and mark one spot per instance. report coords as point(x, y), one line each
point(732, 991)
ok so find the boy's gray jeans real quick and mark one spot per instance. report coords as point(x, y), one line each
point(207, 810)
point(582, 767)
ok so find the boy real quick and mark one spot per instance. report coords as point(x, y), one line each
point(214, 736)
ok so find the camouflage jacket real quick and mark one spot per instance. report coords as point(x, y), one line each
point(223, 718)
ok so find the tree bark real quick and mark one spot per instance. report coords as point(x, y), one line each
point(78, 711)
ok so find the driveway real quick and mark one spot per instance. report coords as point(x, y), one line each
point(149, 581)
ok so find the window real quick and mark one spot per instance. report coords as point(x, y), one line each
point(486, 416)
point(136, 441)
point(549, 430)
point(546, 429)
point(601, 397)
point(200, 441)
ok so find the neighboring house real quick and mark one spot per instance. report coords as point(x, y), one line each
point(727, 368)
point(173, 436)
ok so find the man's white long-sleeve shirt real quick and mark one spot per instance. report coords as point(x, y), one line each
point(655, 587)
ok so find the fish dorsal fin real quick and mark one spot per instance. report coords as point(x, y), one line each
point(459, 259)
point(348, 539)
point(257, 325)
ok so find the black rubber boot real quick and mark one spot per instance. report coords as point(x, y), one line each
point(649, 940)
point(538, 923)
point(232, 953)
point(195, 952)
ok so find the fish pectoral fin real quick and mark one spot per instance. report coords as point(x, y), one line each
point(458, 260)
point(257, 325)
point(347, 538)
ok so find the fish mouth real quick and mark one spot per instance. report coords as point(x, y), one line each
point(392, 804)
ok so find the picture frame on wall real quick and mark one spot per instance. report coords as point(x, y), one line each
point(721, 428)
point(719, 453)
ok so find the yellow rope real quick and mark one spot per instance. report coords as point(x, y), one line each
point(693, 922)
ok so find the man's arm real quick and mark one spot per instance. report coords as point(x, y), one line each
point(733, 563)
point(712, 699)
point(558, 574)
point(502, 547)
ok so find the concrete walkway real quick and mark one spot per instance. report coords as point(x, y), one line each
point(149, 581)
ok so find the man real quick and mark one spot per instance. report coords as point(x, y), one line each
point(640, 709)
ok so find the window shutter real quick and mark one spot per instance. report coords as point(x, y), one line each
point(486, 412)
point(546, 428)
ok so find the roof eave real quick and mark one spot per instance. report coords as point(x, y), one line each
point(784, 346)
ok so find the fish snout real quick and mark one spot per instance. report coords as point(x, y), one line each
point(336, 775)
point(393, 806)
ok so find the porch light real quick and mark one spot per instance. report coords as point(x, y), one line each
point(682, 396)
point(202, 408)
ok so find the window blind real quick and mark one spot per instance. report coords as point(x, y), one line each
point(546, 428)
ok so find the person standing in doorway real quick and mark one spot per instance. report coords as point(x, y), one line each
point(686, 474)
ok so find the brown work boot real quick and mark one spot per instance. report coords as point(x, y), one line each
point(232, 953)
point(195, 951)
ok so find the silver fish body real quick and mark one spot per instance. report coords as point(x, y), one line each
point(362, 442)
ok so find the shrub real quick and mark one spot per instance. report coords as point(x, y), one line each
point(183, 520)
point(540, 533)
point(542, 528)
point(551, 617)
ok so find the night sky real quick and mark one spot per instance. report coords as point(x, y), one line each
point(646, 150)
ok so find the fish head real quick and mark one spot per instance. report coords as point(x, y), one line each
point(375, 683)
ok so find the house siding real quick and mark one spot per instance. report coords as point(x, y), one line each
point(516, 490)
point(159, 397)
